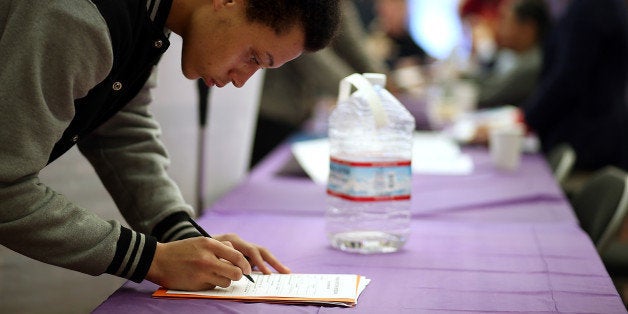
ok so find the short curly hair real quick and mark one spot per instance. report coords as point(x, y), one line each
point(319, 18)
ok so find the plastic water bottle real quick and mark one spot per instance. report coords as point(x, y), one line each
point(370, 180)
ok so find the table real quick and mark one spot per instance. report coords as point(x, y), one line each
point(487, 242)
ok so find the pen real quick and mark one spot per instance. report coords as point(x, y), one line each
point(205, 234)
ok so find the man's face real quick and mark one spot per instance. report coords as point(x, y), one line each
point(221, 46)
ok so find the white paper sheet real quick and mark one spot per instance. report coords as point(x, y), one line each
point(335, 289)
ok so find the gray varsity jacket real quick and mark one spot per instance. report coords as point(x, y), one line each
point(77, 72)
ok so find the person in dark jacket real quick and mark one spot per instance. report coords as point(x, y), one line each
point(581, 96)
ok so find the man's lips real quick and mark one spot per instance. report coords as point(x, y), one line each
point(209, 82)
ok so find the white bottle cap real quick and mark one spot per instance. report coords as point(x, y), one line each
point(376, 78)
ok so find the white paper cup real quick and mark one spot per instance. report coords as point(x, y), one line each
point(505, 145)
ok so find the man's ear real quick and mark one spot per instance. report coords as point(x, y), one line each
point(227, 3)
point(223, 3)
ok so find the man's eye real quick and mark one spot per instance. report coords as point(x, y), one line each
point(254, 60)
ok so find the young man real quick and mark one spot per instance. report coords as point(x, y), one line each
point(78, 72)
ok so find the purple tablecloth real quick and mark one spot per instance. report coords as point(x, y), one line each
point(266, 190)
point(488, 242)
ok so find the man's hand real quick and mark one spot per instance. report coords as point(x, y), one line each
point(258, 256)
point(203, 263)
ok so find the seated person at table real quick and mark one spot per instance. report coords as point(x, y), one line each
point(522, 27)
point(390, 35)
point(480, 19)
point(71, 76)
point(581, 96)
point(301, 93)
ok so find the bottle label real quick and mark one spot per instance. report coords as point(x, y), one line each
point(370, 181)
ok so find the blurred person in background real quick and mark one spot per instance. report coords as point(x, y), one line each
point(481, 20)
point(581, 98)
point(520, 34)
point(305, 89)
point(390, 35)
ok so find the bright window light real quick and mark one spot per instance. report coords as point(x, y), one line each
point(435, 26)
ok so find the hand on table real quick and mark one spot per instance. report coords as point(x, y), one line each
point(258, 256)
point(203, 263)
